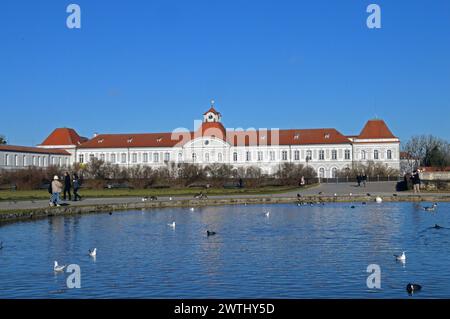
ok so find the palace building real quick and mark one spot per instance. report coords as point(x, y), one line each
point(326, 150)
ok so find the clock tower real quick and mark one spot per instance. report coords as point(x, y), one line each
point(212, 116)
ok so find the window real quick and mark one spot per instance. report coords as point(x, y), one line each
point(297, 155)
point(6, 159)
point(334, 172)
point(16, 160)
point(260, 156)
point(363, 155)
point(248, 156)
point(91, 157)
point(145, 157)
point(180, 157)
point(389, 154)
point(322, 172)
point(102, 157)
point(59, 161)
point(194, 157)
point(272, 155)
point(124, 158)
point(334, 155)
point(25, 161)
point(34, 160)
point(166, 157)
point(155, 157)
point(308, 155)
point(235, 156)
point(220, 157)
point(284, 155)
point(321, 155)
point(347, 154)
point(134, 158)
point(113, 158)
point(375, 154)
point(207, 157)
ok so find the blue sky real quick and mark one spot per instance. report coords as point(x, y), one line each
point(152, 66)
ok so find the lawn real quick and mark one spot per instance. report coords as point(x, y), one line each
point(7, 195)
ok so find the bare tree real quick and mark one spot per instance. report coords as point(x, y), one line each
point(429, 150)
point(2, 140)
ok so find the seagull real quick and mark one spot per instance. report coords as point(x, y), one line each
point(335, 194)
point(350, 194)
point(368, 194)
point(267, 214)
point(170, 198)
point(93, 253)
point(210, 233)
point(144, 199)
point(401, 257)
point(430, 208)
point(378, 199)
point(411, 288)
point(192, 209)
point(171, 225)
point(57, 267)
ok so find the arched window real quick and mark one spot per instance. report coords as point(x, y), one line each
point(180, 157)
point(207, 157)
point(235, 156)
point(220, 157)
point(194, 157)
point(322, 172)
point(334, 172)
point(16, 160)
point(363, 155)
point(375, 155)
point(297, 155)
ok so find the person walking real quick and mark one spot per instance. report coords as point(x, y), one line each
point(56, 190)
point(67, 186)
point(76, 187)
point(364, 179)
point(416, 181)
point(358, 179)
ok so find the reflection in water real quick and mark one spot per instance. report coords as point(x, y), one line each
point(296, 252)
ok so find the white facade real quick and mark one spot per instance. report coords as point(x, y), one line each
point(18, 159)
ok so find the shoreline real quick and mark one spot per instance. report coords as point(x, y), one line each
point(17, 215)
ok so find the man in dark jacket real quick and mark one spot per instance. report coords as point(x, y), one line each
point(67, 185)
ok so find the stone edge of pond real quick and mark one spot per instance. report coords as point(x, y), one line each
point(39, 213)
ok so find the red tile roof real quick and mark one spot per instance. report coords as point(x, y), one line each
point(375, 129)
point(212, 110)
point(235, 138)
point(63, 136)
point(25, 149)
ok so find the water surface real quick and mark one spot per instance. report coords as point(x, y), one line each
point(296, 252)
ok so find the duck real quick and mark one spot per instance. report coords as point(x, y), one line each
point(401, 257)
point(210, 233)
point(58, 268)
point(412, 288)
point(1, 245)
point(192, 209)
point(93, 252)
point(145, 198)
point(172, 225)
point(431, 208)
point(379, 199)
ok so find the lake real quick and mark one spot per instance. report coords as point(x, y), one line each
point(295, 252)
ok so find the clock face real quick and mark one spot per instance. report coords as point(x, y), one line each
point(206, 142)
point(210, 116)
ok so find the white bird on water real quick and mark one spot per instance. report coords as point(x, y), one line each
point(192, 209)
point(57, 267)
point(267, 214)
point(93, 252)
point(430, 209)
point(379, 199)
point(401, 258)
point(172, 225)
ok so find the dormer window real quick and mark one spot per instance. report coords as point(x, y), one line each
point(327, 135)
point(263, 137)
point(159, 139)
point(100, 140)
point(296, 136)
point(130, 140)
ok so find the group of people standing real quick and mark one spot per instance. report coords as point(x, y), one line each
point(361, 178)
point(56, 188)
